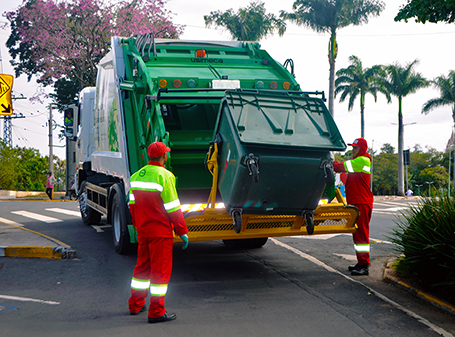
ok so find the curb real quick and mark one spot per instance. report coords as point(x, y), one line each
point(45, 252)
point(390, 278)
point(60, 251)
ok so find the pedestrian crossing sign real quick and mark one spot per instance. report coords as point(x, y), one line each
point(6, 85)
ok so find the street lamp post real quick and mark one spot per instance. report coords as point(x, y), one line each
point(429, 183)
point(418, 187)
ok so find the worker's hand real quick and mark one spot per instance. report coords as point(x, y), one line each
point(184, 237)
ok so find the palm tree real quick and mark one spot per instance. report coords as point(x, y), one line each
point(326, 16)
point(446, 87)
point(248, 24)
point(400, 82)
point(356, 81)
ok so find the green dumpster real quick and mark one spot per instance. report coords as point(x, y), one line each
point(269, 140)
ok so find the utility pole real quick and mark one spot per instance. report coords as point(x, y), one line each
point(51, 155)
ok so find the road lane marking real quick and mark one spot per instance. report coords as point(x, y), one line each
point(9, 222)
point(310, 258)
point(98, 228)
point(27, 299)
point(36, 216)
point(64, 211)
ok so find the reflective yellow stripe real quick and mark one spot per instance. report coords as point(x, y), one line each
point(146, 185)
point(366, 169)
point(132, 197)
point(362, 248)
point(158, 289)
point(140, 284)
point(172, 204)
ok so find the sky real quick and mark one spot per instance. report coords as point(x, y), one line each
point(380, 41)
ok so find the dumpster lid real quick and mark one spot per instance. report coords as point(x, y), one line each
point(282, 120)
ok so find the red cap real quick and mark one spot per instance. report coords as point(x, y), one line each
point(157, 149)
point(360, 142)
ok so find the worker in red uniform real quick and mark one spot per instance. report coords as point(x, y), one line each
point(358, 193)
point(155, 212)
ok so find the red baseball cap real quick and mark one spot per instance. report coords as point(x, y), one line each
point(360, 142)
point(157, 149)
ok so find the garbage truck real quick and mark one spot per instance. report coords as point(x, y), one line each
point(251, 151)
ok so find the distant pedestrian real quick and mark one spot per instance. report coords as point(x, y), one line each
point(50, 185)
point(358, 193)
point(409, 193)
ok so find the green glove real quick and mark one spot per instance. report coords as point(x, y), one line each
point(184, 237)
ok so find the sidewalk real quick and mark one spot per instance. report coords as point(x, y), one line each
point(17, 241)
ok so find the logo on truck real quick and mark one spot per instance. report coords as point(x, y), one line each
point(204, 60)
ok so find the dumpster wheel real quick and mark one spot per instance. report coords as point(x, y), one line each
point(237, 219)
point(309, 221)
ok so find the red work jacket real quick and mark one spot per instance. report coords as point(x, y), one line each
point(358, 182)
point(154, 203)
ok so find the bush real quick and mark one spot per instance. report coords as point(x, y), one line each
point(425, 237)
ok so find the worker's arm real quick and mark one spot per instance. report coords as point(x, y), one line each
point(339, 167)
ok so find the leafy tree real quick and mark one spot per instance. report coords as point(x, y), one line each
point(400, 82)
point(247, 24)
point(446, 87)
point(437, 175)
point(355, 81)
point(428, 10)
point(22, 169)
point(385, 174)
point(66, 39)
point(327, 16)
point(8, 165)
point(387, 148)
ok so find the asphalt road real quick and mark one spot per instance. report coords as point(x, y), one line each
point(293, 286)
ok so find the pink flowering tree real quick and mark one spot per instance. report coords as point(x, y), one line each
point(61, 42)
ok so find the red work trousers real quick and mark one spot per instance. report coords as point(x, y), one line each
point(362, 235)
point(154, 264)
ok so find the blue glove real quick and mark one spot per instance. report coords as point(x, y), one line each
point(184, 237)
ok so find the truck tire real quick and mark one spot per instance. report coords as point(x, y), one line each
point(119, 221)
point(89, 215)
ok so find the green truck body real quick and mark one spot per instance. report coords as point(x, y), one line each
point(185, 94)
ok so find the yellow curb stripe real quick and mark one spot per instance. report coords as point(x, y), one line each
point(32, 251)
point(443, 305)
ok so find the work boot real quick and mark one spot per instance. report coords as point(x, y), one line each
point(352, 267)
point(166, 317)
point(359, 270)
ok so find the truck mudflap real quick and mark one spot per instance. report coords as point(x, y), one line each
point(216, 224)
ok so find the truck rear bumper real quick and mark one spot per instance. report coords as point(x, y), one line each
point(217, 224)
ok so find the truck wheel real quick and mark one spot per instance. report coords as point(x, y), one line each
point(88, 214)
point(309, 223)
point(119, 222)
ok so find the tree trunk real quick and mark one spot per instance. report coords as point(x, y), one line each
point(362, 115)
point(400, 148)
point(333, 50)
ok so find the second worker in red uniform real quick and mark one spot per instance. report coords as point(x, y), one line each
point(358, 193)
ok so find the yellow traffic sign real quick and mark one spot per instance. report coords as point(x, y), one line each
point(6, 104)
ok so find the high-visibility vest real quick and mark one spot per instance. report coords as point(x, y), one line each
point(154, 203)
